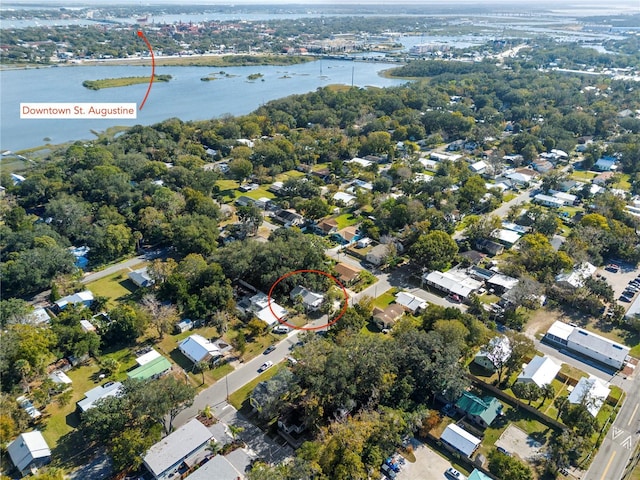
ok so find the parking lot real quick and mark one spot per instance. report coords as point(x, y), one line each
point(428, 465)
point(619, 280)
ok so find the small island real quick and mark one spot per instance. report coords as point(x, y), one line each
point(122, 82)
point(254, 76)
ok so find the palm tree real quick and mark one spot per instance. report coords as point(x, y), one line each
point(202, 367)
point(547, 391)
point(235, 430)
point(561, 403)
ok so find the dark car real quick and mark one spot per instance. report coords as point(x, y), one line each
point(624, 299)
point(394, 466)
point(269, 349)
point(504, 452)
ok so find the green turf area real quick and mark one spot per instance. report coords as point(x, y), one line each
point(116, 287)
point(386, 299)
point(624, 183)
point(582, 176)
point(238, 397)
point(345, 220)
point(256, 194)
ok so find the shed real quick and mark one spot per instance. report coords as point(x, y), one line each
point(29, 451)
point(460, 440)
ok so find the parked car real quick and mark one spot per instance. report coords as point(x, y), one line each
point(265, 366)
point(612, 267)
point(624, 298)
point(454, 474)
point(503, 451)
point(281, 329)
point(269, 349)
point(386, 469)
point(393, 465)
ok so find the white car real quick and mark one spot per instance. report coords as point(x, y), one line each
point(454, 474)
point(266, 365)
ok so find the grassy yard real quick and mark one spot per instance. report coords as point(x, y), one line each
point(488, 298)
point(386, 299)
point(117, 286)
point(582, 176)
point(284, 176)
point(345, 220)
point(257, 193)
point(238, 397)
point(624, 183)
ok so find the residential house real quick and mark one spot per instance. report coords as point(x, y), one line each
point(311, 301)
point(198, 349)
point(473, 256)
point(109, 389)
point(460, 440)
point(153, 369)
point(218, 468)
point(501, 283)
point(327, 226)
point(506, 237)
point(576, 277)
point(567, 199)
point(480, 411)
point(496, 353)
point(345, 198)
point(478, 475)
point(540, 370)
point(377, 255)
point(187, 445)
point(87, 326)
point(81, 298)
point(591, 392)
point(264, 203)
point(16, 179)
point(386, 318)
point(603, 178)
point(183, 325)
point(542, 165)
point(520, 178)
point(38, 316)
point(548, 200)
point(276, 187)
point(588, 344)
point(479, 167)
point(29, 451)
point(346, 273)
point(244, 201)
point(360, 162)
point(428, 164)
point(604, 164)
point(489, 246)
point(454, 282)
point(410, 302)
point(288, 218)
point(141, 277)
point(269, 312)
point(347, 235)
point(28, 407)
point(363, 242)
point(147, 357)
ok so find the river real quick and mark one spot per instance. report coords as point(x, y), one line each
point(185, 96)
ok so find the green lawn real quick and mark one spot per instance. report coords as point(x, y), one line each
point(583, 176)
point(488, 298)
point(257, 193)
point(116, 287)
point(345, 220)
point(238, 397)
point(284, 176)
point(386, 299)
point(624, 183)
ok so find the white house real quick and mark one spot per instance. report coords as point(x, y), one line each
point(410, 302)
point(311, 300)
point(29, 451)
point(147, 357)
point(109, 389)
point(567, 198)
point(540, 370)
point(506, 237)
point(188, 444)
point(360, 162)
point(548, 200)
point(141, 278)
point(494, 354)
point(377, 254)
point(38, 316)
point(81, 298)
point(588, 344)
point(592, 391)
point(452, 282)
point(576, 277)
point(478, 167)
point(460, 440)
point(218, 468)
point(198, 349)
point(260, 306)
point(344, 197)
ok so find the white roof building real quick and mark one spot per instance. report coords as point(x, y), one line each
point(218, 468)
point(494, 354)
point(85, 297)
point(346, 198)
point(198, 349)
point(577, 277)
point(540, 370)
point(87, 326)
point(592, 391)
point(507, 237)
point(478, 167)
point(410, 302)
point(566, 198)
point(271, 317)
point(187, 443)
point(428, 164)
point(147, 357)
point(454, 282)
point(109, 389)
point(311, 300)
point(38, 316)
point(59, 376)
point(460, 440)
point(588, 344)
point(29, 450)
point(361, 162)
point(141, 278)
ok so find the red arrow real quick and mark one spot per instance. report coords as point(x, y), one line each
point(153, 67)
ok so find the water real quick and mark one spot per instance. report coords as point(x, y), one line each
point(185, 96)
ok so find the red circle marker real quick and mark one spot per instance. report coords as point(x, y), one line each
point(319, 272)
point(153, 68)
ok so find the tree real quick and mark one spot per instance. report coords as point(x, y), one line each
point(527, 391)
point(161, 316)
point(235, 431)
point(127, 324)
point(522, 347)
point(547, 391)
point(240, 168)
point(562, 404)
point(256, 327)
point(24, 369)
point(251, 217)
point(129, 447)
point(109, 365)
point(202, 367)
point(504, 466)
point(435, 250)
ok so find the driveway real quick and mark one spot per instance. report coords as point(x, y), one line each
point(428, 465)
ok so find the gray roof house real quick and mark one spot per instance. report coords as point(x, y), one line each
point(218, 468)
point(29, 451)
point(186, 445)
point(311, 301)
point(109, 389)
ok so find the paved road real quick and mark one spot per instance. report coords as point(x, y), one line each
point(145, 257)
